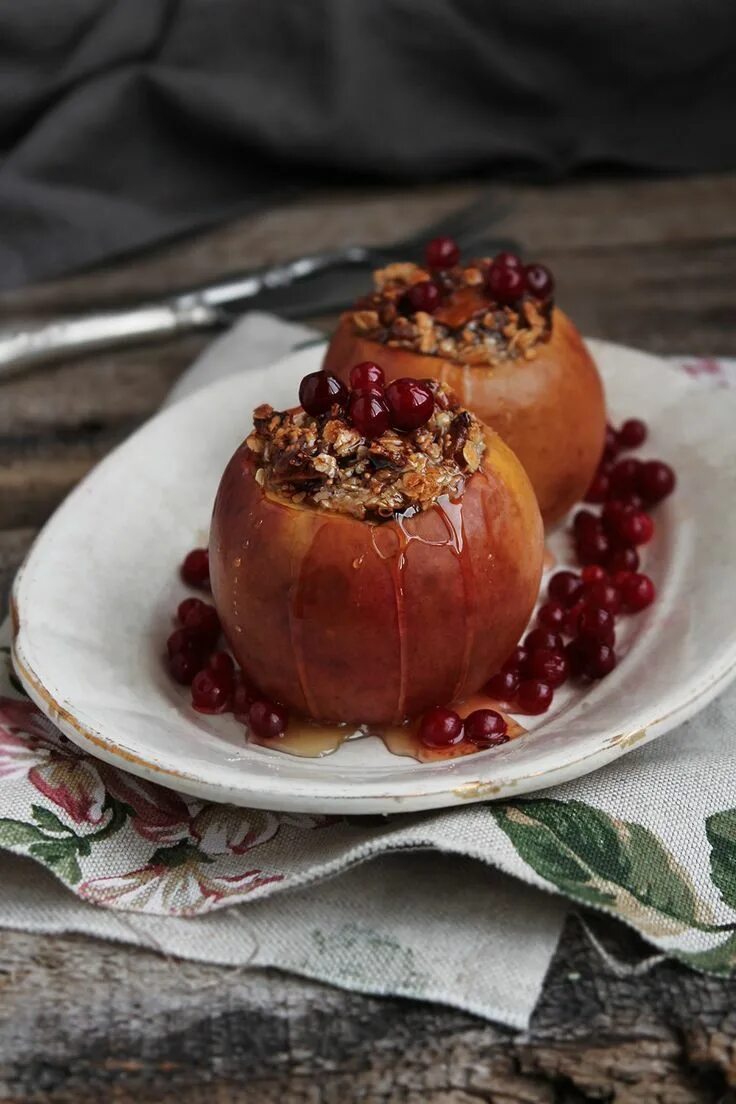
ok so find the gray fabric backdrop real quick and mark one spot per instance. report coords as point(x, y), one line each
point(123, 122)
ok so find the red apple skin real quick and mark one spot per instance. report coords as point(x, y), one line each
point(349, 622)
point(550, 410)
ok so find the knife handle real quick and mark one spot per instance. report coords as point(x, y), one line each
point(216, 304)
point(40, 342)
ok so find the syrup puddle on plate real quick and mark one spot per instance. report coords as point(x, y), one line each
point(307, 739)
point(310, 740)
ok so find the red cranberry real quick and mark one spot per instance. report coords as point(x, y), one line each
point(424, 296)
point(551, 615)
point(655, 481)
point(549, 666)
point(186, 607)
point(506, 284)
point(486, 728)
point(517, 661)
point(507, 260)
point(596, 624)
point(186, 641)
point(592, 547)
point(243, 698)
point(636, 528)
point(565, 587)
point(440, 727)
point(319, 392)
point(504, 685)
point(576, 654)
point(539, 281)
point(572, 619)
point(611, 515)
point(620, 577)
point(603, 595)
point(633, 433)
point(598, 489)
point(442, 253)
point(195, 570)
point(222, 661)
point(542, 639)
point(367, 376)
point(584, 521)
point(201, 618)
point(369, 413)
point(593, 573)
point(183, 666)
point(637, 592)
point(267, 719)
point(410, 403)
point(599, 661)
point(622, 559)
point(212, 691)
point(623, 477)
point(611, 445)
point(535, 696)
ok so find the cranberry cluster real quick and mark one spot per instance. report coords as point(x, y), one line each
point(369, 404)
point(583, 607)
point(507, 278)
point(194, 660)
point(442, 728)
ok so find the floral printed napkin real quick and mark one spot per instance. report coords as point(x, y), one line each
point(651, 839)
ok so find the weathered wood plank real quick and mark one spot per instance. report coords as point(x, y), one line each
point(14, 543)
point(587, 214)
point(138, 1027)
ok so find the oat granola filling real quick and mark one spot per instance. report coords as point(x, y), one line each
point(468, 327)
point(325, 462)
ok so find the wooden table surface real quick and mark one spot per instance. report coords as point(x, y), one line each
point(651, 263)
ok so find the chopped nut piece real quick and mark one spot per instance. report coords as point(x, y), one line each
point(324, 462)
point(365, 320)
point(468, 327)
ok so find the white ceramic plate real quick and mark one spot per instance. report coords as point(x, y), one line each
point(93, 605)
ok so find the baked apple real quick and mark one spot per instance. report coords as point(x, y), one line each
point(491, 331)
point(374, 552)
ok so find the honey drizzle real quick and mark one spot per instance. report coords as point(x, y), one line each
point(404, 739)
point(296, 620)
point(307, 739)
point(311, 740)
point(452, 515)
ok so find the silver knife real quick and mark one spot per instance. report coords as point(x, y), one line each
point(29, 343)
point(218, 304)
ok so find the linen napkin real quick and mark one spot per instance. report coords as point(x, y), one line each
point(651, 839)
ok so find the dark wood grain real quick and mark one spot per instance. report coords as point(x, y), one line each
point(82, 1021)
point(648, 262)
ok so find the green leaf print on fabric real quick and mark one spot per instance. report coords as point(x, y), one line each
point(362, 954)
point(178, 855)
point(60, 856)
point(14, 833)
point(600, 860)
point(718, 960)
point(49, 821)
point(720, 828)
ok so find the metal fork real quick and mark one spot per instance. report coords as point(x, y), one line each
point(218, 304)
